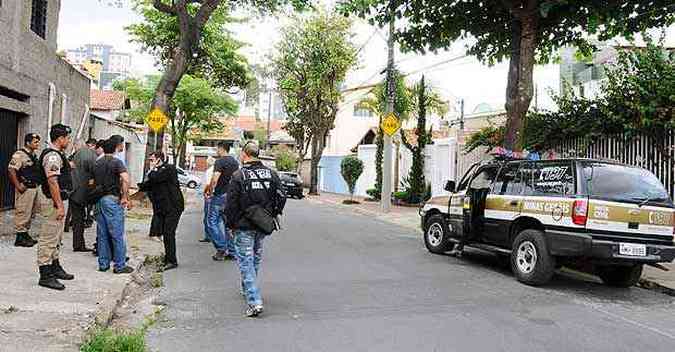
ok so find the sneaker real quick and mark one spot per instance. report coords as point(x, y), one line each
point(219, 256)
point(103, 269)
point(254, 311)
point(125, 270)
point(205, 240)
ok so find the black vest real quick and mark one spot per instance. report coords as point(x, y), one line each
point(30, 176)
point(65, 179)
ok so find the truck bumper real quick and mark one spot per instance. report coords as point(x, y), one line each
point(573, 244)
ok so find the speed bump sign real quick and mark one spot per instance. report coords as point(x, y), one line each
point(156, 119)
point(390, 124)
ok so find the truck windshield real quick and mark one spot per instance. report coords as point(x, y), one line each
point(624, 184)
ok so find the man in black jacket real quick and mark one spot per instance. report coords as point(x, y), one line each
point(254, 184)
point(167, 204)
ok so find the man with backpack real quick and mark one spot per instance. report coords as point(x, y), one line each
point(24, 173)
point(254, 202)
point(57, 187)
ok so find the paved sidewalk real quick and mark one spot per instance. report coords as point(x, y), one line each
point(409, 217)
point(33, 318)
point(402, 216)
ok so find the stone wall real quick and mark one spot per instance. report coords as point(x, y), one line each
point(28, 64)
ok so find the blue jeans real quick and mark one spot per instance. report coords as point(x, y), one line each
point(249, 248)
point(207, 203)
point(220, 235)
point(110, 229)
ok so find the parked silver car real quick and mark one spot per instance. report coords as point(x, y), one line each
point(187, 179)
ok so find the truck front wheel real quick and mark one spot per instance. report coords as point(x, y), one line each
point(620, 276)
point(531, 262)
point(437, 235)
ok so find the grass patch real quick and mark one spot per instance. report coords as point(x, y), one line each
point(108, 340)
point(157, 280)
point(155, 261)
point(138, 216)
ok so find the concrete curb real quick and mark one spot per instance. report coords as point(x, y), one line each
point(106, 312)
point(650, 284)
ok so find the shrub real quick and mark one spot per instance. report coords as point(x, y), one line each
point(351, 169)
point(373, 193)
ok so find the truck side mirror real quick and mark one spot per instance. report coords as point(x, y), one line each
point(450, 186)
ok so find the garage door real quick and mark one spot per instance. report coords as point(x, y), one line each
point(8, 135)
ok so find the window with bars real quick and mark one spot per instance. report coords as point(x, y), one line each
point(38, 20)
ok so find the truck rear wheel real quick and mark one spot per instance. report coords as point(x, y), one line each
point(620, 276)
point(437, 235)
point(531, 262)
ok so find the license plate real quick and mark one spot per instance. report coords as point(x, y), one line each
point(632, 249)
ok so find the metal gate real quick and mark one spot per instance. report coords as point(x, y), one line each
point(655, 155)
point(8, 135)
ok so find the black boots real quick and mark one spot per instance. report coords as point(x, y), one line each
point(47, 278)
point(59, 273)
point(24, 240)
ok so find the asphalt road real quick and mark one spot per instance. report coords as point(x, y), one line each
point(336, 281)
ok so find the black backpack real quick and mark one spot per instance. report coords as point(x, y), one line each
point(265, 217)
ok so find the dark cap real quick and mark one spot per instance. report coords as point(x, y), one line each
point(59, 130)
point(30, 137)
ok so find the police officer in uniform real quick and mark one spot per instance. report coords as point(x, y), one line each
point(24, 173)
point(57, 189)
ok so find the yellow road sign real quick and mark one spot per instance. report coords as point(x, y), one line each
point(156, 119)
point(390, 124)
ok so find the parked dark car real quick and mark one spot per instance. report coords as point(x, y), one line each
point(292, 184)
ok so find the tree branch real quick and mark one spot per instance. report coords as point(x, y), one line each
point(163, 7)
point(205, 11)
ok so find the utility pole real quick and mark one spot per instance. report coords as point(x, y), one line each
point(269, 115)
point(461, 115)
point(386, 168)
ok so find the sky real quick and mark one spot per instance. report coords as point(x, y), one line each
point(91, 21)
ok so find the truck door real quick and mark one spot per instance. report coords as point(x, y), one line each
point(474, 201)
point(504, 203)
point(456, 204)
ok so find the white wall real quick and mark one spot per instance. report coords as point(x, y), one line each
point(349, 129)
point(439, 166)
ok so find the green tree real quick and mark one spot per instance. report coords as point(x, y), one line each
point(638, 97)
point(195, 109)
point(187, 35)
point(425, 99)
point(524, 31)
point(311, 63)
point(351, 169)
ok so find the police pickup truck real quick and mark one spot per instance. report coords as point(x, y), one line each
point(545, 214)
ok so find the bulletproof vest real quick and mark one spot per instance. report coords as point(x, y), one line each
point(65, 179)
point(30, 176)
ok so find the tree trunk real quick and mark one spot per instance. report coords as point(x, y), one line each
point(314, 169)
point(182, 155)
point(178, 66)
point(318, 145)
point(519, 90)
